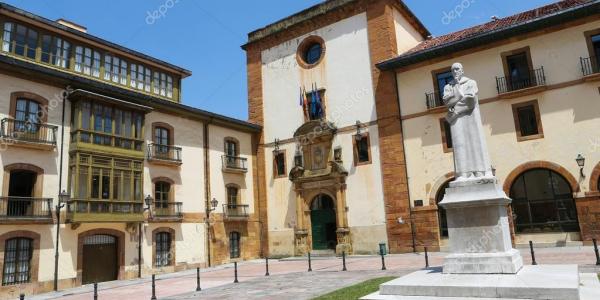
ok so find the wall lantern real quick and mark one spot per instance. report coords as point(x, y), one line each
point(581, 163)
point(298, 158)
point(214, 203)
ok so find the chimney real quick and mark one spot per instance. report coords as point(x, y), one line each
point(71, 25)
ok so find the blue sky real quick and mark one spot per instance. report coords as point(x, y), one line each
point(205, 36)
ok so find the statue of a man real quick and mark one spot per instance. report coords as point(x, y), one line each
point(471, 157)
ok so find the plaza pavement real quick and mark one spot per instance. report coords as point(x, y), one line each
point(289, 278)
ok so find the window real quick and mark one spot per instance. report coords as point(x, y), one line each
point(442, 220)
point(441, 78)
point(314, 105)
point(60, 51)
point(362, 151)
point(518, 71)
point(232, 196)
point(161, 136)
point(446, 135)
point(87, 61)
point(169, 87)
point(279, 164)
point(234, 244)
point(527, 119)
point(163, 249)
point(231, 148)
point(25, 41)
point(310, 51)
point(161, 194)
point(17, 261)
point(115, 69)
point(6, 37)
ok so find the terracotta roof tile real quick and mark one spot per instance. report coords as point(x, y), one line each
point(498, 24)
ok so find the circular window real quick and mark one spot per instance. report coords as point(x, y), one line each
point(310, 52)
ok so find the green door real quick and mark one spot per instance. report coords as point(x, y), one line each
point(322, 217)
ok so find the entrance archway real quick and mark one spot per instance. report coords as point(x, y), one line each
point(323, 222)
point(100, 258)
point(543, 202)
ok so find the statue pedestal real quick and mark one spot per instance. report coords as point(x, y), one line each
point(478, 229)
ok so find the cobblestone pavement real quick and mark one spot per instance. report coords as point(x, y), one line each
point(289, 278)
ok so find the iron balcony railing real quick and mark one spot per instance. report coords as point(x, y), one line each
point(234, 163)
point(433, 100)
point(235, 210)
point(25, 208)
point(533, 78)
point(164, 152)
point(167, 210)
point(27, 131)
point(589, 65)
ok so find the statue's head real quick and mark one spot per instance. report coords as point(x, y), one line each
point(457, 71)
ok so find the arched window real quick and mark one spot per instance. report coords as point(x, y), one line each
point(17, 261)
point(234, 244)
point(443, 222)
point(163, 249)
point(543, 202)
point(162, 191)
point(232, 195)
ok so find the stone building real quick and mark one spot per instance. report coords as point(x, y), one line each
point(138, 172)
point(373, 165)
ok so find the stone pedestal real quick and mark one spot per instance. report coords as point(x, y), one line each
point(478, 229)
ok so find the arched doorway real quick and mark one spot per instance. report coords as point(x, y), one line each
point(100, 258)
point(442, 221)
point(322, 218)
point(543, 202)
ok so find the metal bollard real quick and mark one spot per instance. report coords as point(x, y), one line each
point(235, 272)
point(533, 262)
point(267, 266)
point(596, 251)
point(153, 287)
point(344, 261)
point(95, 291)
point(198, 280)
point(22, 297)
point(382, 259)
point(426, 258)
point(309, 263)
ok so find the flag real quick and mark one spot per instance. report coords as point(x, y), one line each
point(301, 97)
point(305, 103)
point(313, 103)
point(319, 103)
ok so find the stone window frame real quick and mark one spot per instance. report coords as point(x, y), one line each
point(434, 74)
point(34, 263)
point(536, 109)
point(170, 129)
point(39, 182)
point(275, 165)
point(239, 244)
point(588, 40)
point(506, 54)
point(445, 147)
point(539, 164)
point(239, 193)
point(303, 47)
point(355, 150)
point(120, 237)
point(172, 251)
point(43, 102)
point(232, 140)
point(168, 180)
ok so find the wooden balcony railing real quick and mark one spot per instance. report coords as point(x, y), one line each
point(235, 211)
point(169, 210)
point(589, 65)
point(80, 210)
point(25, 131)
point(509, 84)
point(433, 100)
point(164, 152)
point(25, 208)
point(234, 164)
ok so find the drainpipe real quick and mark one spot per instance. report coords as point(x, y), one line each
point(207, 188)
point(412, 222)
point(140, 250)
point(65, 96)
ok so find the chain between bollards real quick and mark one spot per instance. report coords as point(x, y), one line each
point(198, 280)
point(95, 291)
point(344, 261)
point(309, 263)
point(426, 258)
point(596, 251)
point(382, 259)
point(533, 262)
point(235, 272)
point(267, 266)
point(153, 287)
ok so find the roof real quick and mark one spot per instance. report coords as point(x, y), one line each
point(318, 10)
point(497, 29)
point(84, 35)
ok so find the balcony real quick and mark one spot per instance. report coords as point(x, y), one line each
point(25, 209)
point(589, 68)
point(28, 134)
point(235, 212)
point(87, 211)
point(167, 211)
point(533, 82)
point(164, 154)
point(234, 164)
point(89, 140)
point(433, 100)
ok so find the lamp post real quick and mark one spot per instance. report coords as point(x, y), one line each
point(63, 198)
point(148, 201)
point(581, 163)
